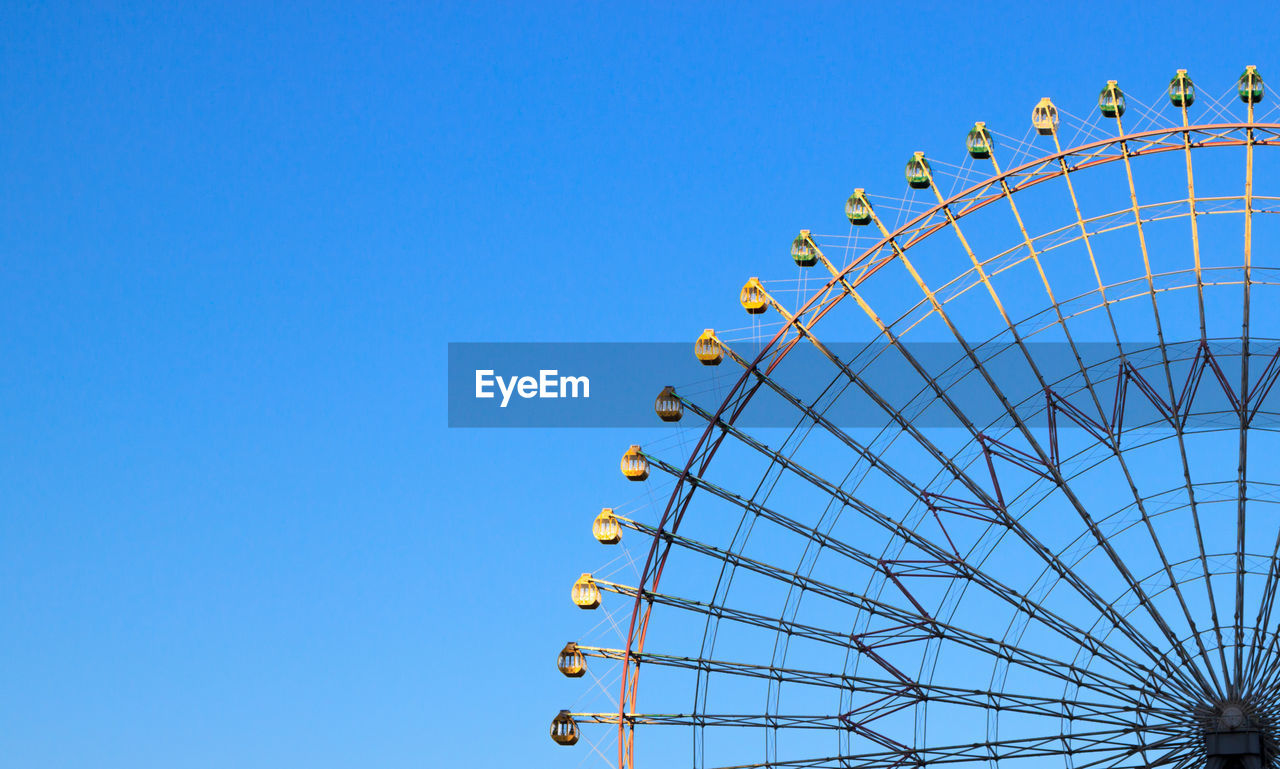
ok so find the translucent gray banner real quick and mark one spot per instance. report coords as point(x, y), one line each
point(860, 385)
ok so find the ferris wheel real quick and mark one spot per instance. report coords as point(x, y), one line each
point(1034, 522)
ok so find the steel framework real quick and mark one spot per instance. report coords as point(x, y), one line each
point(1080, 572)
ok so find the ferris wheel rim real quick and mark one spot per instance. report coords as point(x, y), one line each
point(705, 448)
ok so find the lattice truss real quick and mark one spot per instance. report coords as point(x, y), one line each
point(1033, 522)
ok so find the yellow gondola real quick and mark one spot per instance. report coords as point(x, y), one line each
point(585, 593)
point(634, 466)
point(564, 730)
point(753, 297)
point(571, 661)
point(606, 528)
point(707, 349)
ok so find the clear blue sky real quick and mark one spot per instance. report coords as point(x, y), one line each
point(234, 529)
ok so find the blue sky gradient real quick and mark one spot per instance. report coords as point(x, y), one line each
point(236, 239)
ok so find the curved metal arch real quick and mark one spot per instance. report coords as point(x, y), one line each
point(954, 288)
point(927, 223)
point(916, 230)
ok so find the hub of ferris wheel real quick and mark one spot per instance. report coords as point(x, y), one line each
point(1236, 737)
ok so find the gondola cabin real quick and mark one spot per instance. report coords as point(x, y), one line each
point(585, 593)
point(707, 349)
point(919, 174)
point(634, 466)
point(667, 406)
point(803, 250)
point(606, 528)
point(753, 297)
point(979, 142)
point(1182, 92)
point(1044, 116)
point(1111, 100)
point(1249, 86)
point(571, 661)
point(564, 730)
point(857, 208)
